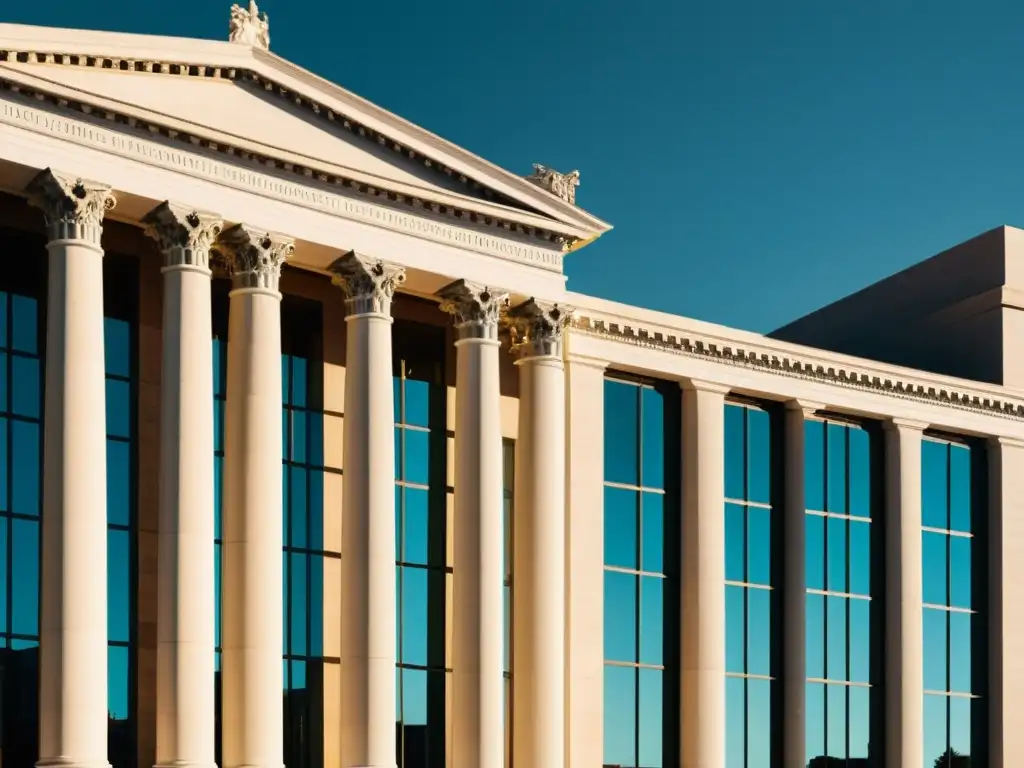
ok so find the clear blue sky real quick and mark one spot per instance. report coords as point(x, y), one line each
point(757, 159)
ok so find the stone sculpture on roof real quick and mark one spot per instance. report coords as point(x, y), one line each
point(561, 185)
point(249, 27)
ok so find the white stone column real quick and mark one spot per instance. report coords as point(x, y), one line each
point(1006, 609)
point(477, 637)
point(794, 587)
point(73, 625)
point(539, 536)
point(904, 622)
point(251, 633)
point(186, 584)
point(702, 734)
point(368, 521)
point(585, 551)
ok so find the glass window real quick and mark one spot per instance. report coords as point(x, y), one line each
point(636, 467)
point(749, 535)
point(838, 529)
point(421, 567)
point(949, 543)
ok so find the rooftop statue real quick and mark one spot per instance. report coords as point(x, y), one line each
point(562, 185)
point(249, 27)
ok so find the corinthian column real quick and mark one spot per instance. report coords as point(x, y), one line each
point(539, 593)
point(368, 523)
point(185, 589)
point(251, 610)
point(477, 647)
point(73, 627)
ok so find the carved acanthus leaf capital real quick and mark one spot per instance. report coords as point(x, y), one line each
point(74, 208)
point(537, 328)
point(184, 235)
point(255, 257)
point(369, 284)
point(477, 309)
point(561, 185)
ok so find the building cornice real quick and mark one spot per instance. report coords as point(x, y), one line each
point(505, 210)
point(800, 363)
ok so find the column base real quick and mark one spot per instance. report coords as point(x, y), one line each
point(70, 762)
point(186, 764)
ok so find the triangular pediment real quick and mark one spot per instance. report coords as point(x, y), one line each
point(257, 107)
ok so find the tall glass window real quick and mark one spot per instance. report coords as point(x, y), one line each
point(508, 473)
point(220, 377)
point(749, 625)
point(421, 556)
point(950, 556)
point(636, 569)
point(838, 528)
point(20, 503)
point(303, 535)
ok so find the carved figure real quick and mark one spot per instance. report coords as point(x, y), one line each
point(249, 27)
point(561, 185)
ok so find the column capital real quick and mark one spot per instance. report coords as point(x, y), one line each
point(476, 308)
point(537, 328)
point(897, 424)
point(369, 284)
point(184, 235)
point(698, 385)
point(806, 407)
point(255, 257)
point(73, 207)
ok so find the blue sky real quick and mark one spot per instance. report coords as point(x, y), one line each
point(758, 160)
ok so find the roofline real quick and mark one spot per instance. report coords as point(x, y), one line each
point(270, 65)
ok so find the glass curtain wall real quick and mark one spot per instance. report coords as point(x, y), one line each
point(640, 573)
point(421, 556)
point(750, 626)
point(951, 555)
point(840, 504)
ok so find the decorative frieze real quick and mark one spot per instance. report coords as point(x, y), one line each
point(537, 328)
point(74, 208)
point(184, 235)
point(369, 284)
point(255, 257)
point(792, 366)
point(477, 309)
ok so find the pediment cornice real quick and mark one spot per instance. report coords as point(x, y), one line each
point(493, 197)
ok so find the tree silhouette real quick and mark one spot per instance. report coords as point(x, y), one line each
point(952, 759)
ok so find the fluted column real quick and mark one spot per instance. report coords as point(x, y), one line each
point(73, 626)
point(794, 587)
point(477, 644)
point(185, 585)
point(904, 622)
point(368, 523)
point(539, 530)
point(253, 707)
point(702, 733)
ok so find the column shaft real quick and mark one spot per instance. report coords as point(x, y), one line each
point(477, 642)
point(251, 636)
point(539, 540)
point(904, 635)
point(794, 589)
point(186, 584)
point(703, 569)
point(368, 521)
point(73, 626)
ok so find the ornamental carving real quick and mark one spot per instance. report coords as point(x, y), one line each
point(255, 257)
point(561, 185)
point(185, 236)
point(74, 208)
point(249, 27)
point(369, 284)
point(477, 309)
point(537, 328)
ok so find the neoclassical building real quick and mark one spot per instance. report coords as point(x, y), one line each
point(309, 457)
